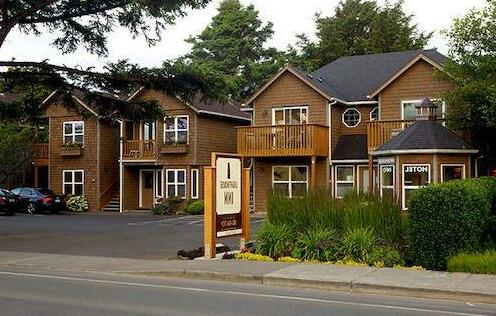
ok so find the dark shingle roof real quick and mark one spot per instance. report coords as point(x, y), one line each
point(230, 108)
point(8, 97)
point(425, 135)
point(350, 147)
point(353, 78)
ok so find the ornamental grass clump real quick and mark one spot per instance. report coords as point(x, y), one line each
point(275, 241)
point(316, 244)
point(474, 262)
point(357, 243)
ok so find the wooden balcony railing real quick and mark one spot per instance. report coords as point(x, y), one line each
point(380, 132)
point(139, 149)
point(283, 140)
point(40, 151)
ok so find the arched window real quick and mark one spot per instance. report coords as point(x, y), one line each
point(351, 117)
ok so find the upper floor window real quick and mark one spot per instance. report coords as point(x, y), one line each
point(148, 130)
point(351, 117)
point(74, 132)
point(409, 111)
point(290, 115)
point(374, 114)
point(176, 129)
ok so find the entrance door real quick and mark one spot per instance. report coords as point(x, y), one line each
point(146, 188)
point(363, 174)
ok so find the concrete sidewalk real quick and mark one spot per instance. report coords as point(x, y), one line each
point(427, 284)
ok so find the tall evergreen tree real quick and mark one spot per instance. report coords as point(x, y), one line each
point(362, 27)
point(232, 50)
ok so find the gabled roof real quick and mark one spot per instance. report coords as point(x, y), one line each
point(425, 137)
point(8, 97)
point(357, 78)
point(202, 105)
point(351, 147)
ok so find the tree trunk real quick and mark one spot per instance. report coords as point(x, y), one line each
point(4, 31)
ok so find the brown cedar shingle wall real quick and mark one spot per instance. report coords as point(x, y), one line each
point(58, 114)
point(215, 135)
point(288, 90)
point(416, 83)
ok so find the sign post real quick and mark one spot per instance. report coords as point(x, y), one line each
point(227, 191)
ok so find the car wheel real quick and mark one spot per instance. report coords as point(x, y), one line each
point(31, 208)
point(10, 213)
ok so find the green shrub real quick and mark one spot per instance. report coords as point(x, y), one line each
point(195, 208)
point(357, 243)
point(169, 206)
point(474, 262)
point(389, 257)
point(316, 244)
point(252, 257)
point(449, 218)
point(77, 203)
point(274, 240)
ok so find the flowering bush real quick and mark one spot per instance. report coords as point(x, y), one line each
point(77, 204)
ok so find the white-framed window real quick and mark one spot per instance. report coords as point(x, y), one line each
point(351, 117)
point(195, 183)
point(290, 115)
point(374, 114)
point(73, 182)
point(159, 180)
point(386, 181)
point(74, 132)
point(148, 129)
point(176, 182)
point(345, 180)
point(414, 176)
point(176, 129)
point(452, 172)
point(409, 111)
point(291, 181)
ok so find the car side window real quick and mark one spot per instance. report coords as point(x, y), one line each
point(25, 192)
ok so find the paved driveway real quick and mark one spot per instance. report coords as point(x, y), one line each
point(105, 234)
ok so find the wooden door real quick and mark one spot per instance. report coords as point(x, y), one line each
point(147, 193)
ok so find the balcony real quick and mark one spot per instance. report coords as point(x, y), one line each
point(380, 132)
point(283, 140)
point(139, 149)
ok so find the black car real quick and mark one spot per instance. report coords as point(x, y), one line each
point(9, 202)
point(40, 200)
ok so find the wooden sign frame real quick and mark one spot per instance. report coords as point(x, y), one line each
point(210, 228)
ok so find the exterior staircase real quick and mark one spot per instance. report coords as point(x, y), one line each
point(113, 205)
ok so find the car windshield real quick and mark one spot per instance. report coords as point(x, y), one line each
point(16, 191)
point(46, 191)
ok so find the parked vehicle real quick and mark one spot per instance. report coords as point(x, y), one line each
point(40, 200)
point(9, 202)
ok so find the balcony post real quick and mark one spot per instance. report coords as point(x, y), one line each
point(313, 173)
point(371, 174)
point(36, 177)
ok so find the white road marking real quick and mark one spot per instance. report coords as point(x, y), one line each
point(258, 221)
point(271, 296)
point(161, 221)
point(195, 222)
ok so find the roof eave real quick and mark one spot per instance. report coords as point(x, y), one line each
point(393, 152)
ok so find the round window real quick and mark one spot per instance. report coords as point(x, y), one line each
point(351, 117)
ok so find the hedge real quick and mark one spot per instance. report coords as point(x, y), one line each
point(449, 218)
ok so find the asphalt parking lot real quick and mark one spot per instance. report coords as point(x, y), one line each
point(106, 234)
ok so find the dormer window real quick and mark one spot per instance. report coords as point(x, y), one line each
point(351, 117)
point(74, 132)
point(290, 115)
point(176, 129)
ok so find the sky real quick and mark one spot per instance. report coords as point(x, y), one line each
point(289, 17)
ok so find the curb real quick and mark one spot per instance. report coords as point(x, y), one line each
point(351, 287)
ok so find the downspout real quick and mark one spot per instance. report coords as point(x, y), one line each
point(98, 161)
point(121, 167)
point(329, 163)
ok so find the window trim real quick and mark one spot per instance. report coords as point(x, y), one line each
point(336, 181)
point(452, 165)
point(73, 183)
point(289, 107)
point(176, 183)
point(73, 133)
point(443, 107)
point(197, 187)
point(290, 181)
point(359, 117)
point(381, 185)
point(370, 114)
point(176, 130)
point(159, 179)
point(414, 187)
